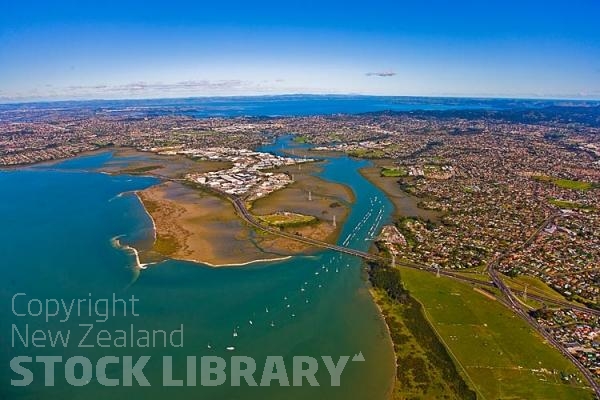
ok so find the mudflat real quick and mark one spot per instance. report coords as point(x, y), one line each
point(307, 195)
point(191, 225)
point(405, 204)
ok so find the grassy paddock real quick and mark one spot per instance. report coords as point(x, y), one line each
point(571, 205)
point(424, 369)
point(394, 172)
point(501, 354)
point(288, 219)
point(301, 139)
point(367, 153)
point(534, 285)
point(565, 183)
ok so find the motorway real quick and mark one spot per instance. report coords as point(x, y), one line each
point(515, 305)
point(510, 299)
point(490, 283)
point(243, 212)
point(250, 219)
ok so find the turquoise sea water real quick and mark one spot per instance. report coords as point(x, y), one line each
point(284, 105)
point(55, 243)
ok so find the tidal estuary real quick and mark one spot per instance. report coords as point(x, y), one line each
point(58, 222)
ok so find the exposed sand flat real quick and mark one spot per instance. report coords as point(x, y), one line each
point(198, 227)
point(323, 231)
point(194, 225)
point(327, 199)
point(159, 165)
point(404, 204)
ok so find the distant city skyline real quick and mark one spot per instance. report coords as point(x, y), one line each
point(65, 50)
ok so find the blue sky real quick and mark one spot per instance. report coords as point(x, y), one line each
point(137, 49)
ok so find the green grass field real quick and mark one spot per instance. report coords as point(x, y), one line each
point(483, 277)
point(393, 172)
point(287, 219)
point(534, 285)
point(367, 153)
point(300, 139)
point(575, 185)
point(565, 183)
point(571, 205)
point(502, 356)
point(424, 368)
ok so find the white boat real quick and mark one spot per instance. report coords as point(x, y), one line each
point(230, 348)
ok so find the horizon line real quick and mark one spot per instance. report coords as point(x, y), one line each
point(232, 96)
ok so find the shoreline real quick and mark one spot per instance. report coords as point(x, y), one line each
point(55, 160)
point(197, 225)
point(257, 261)
point(138, 255)
point(199, 228)
point(135, 192)
point(411, 209)
point(418, 338)
point(388, 330)
point(140, 265)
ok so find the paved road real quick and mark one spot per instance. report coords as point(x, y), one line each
point(514, 304)
point(490, 283)
point(249, 218)
point(509, 298)
point(241, 209)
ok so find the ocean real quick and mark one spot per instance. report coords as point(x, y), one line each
point(264, 106)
